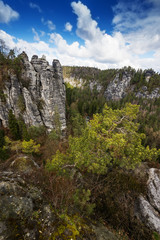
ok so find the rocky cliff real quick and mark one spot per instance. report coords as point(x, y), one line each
point(122, 85)
point(117, 88)
point(37, 94)
point(115, 84)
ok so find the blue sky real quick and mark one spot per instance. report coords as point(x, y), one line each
point(97, 33)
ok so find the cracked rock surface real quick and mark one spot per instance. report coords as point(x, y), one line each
point(36, 95)
point(148, 207)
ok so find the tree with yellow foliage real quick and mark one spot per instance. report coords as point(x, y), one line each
point(110, 140)
point(30, 147)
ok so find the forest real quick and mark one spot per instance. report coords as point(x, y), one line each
point(89, 171)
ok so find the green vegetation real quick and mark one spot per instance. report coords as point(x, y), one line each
point(3, 150)
point(81, 103)
point(2, 139)
point(30, 147)
point(88, 74)
point(109, 140)
point(13, 126)
point(90, 171)
point(21, 103)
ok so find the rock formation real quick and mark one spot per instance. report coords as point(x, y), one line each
point(148, 208)
point(114, 84)
point(118, 87)
point(36, 95)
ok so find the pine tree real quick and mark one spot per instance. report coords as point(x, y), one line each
point(2, 140)
point(13, 126)
point(110, 140)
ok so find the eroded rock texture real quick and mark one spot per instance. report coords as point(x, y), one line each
point(36, 95)
point(117, 89)
point(148, 208)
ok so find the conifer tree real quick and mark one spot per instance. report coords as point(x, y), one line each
point(110, 140)
point(13, 126)
point(2, 140)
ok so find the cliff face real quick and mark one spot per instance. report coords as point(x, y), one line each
point(117, 88)
point(36, 95)
point(115, 84)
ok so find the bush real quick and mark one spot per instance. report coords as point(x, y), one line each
point(30, 147)
point(35, 132)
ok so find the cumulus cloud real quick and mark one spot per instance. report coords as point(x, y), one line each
point(68, 27)
point(50, 25)
point(99, 45)
point(7, 14)
point(35, 6)
point(139, 23)
point(38, 48)
point(86, 27)
point(137, 44)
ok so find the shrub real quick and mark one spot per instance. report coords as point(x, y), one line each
point(30, 147)
point(35, 132)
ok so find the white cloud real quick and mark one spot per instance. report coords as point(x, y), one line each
point(86, 27)
point(7, 14)
point(35, 6)
point(9, 40)
point(139, 23)
point(68, 27)
point(100, 46)
point(38, 48)
point(36, 35)
point(49, 24)
point(116, 50)
point(42, 33)
point(137, 44)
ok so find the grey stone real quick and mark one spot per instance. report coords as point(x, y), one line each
point(148, 215)
point(145, 94)
point(15, 207)
point(154, 188)
point(102, 233)
point(117, 89)
point(42, 89)
point(148, 207)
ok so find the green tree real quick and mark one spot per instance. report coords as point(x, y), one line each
point(13, 126)
point(56, 132)
point(2, 139)
point(23, 129)
point(3, 47)
point(77, 122)
point(110, 140)
point(11, 54)
point(30, 147)
point(3, 149)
